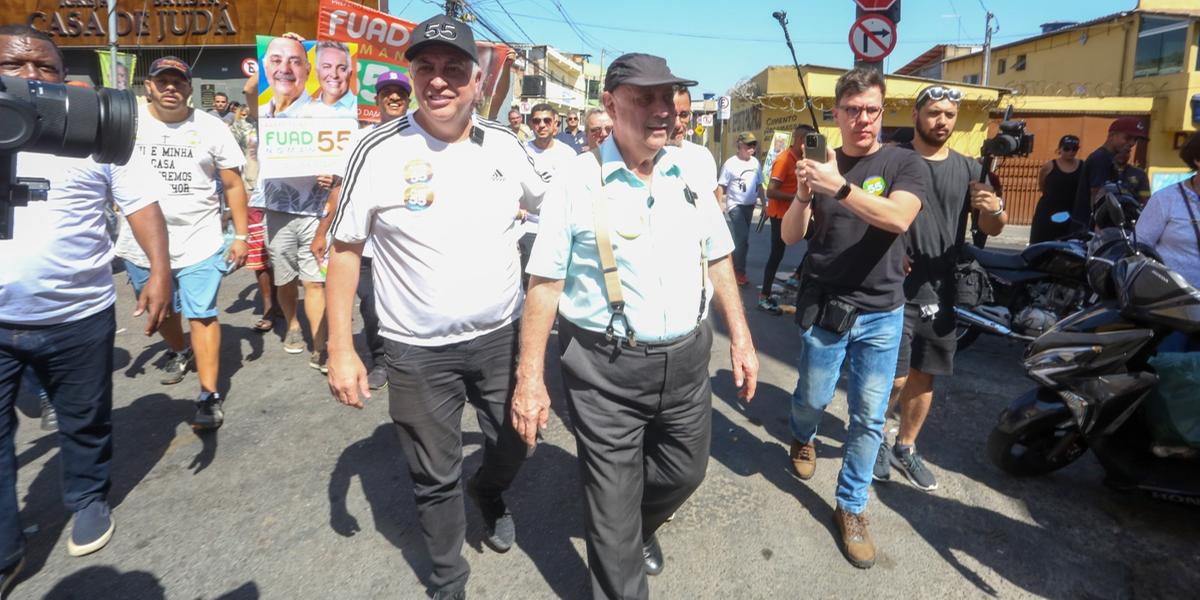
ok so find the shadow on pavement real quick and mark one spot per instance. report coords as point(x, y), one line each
point(378, 463)
point(545, 522)
point(107, 582)
point(142, 433)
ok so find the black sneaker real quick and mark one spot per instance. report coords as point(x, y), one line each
point(49, 417)
point(91, 529)
point(176, 366)
point(209, 414)
point(9, 576)
point(769, 305)
point(377, 378)
point(909, 462)
point(883, 465)
point(501, 531)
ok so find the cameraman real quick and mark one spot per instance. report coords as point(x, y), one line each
point(56, 309)
point(863, 199)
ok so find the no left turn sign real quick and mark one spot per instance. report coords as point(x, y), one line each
point(872, 37)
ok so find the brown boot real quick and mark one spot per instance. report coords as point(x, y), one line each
point(804, 459)
point(856, 540)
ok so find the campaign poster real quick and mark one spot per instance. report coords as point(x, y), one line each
point(780, 140)
point(123, 78)
point(307, 106)
point(382, 40)
point(310, 79)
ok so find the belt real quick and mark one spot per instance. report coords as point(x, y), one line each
point(600, 339)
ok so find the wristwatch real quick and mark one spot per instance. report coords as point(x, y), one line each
point(842, 193)
point(996, 213)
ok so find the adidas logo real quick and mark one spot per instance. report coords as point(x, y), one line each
point(497, 175)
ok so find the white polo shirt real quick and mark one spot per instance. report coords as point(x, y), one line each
point(57, 268)
point(443, 222)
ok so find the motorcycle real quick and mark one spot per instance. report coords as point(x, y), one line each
point(1036, 287)
point(1093, 375)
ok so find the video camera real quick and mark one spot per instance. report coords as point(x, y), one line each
point(51, 118)
point(1010, 140)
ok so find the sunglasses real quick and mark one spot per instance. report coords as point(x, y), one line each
point(1070, 147)
point(542, 121)
point(938, 93)
point(605, 130)
point(572, 118)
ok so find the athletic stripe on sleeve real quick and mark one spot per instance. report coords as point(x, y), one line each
point(489, 124)
point(358, 158)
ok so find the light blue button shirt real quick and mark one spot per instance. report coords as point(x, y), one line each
point(656, 234)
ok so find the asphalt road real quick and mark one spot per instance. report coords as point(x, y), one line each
point(299, 497)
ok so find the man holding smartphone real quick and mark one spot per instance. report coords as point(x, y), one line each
point(863, 197)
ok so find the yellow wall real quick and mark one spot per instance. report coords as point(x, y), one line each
point(783, 100)
point(1100, 67)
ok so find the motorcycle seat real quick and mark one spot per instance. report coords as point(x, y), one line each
point(988, 259)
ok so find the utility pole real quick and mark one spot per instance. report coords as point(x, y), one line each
point(987, 49)
point(112, 45)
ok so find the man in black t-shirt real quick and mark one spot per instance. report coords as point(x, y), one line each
point(863, 199)
point(1101, 167)
point(928, 343)
point(1135, 179)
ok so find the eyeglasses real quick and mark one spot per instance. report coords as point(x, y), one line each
point(872, 112)
point(938, 93)
point(604, 130)
point(572, 118)
point(542, 120)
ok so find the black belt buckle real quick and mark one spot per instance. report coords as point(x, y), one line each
point(610, 333)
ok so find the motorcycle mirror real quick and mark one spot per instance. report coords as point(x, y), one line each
point(1060, 217)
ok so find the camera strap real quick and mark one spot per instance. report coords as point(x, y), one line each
point(608, 262)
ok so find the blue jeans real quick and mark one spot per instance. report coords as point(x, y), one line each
point(75, 362)
point(739, 218)
point(872, 345)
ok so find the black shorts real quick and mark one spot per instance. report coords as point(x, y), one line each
point(927, 345)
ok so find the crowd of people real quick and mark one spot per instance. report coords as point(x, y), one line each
point(614, 232)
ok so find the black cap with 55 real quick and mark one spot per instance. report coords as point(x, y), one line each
point(445, 30)
point(641, 70)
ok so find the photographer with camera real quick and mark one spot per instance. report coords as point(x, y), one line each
point(57, 313)
point(928, 343)
point(863, 198)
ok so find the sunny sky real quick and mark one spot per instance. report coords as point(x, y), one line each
point(721, 42)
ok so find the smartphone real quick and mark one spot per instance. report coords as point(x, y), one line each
point(814, 147)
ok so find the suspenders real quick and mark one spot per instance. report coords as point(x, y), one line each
point(608, 262)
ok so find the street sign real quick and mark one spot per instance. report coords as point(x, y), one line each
point(874, 5)
point(872, 37)
point(525, 106)
point(250, 67)
point(705, 120)
point(724, 107)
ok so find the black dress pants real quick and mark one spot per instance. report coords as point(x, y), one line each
point(428, 388)
point(643, 421)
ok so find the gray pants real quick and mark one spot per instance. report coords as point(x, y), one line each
point(427, 390)
point(643, 420)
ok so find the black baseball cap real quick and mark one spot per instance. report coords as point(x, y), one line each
point(170, 63)
point(641, 70)
point(445, 30)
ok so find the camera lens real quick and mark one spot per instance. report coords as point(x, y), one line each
point(71, 121)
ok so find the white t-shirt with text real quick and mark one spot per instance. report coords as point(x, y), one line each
point(187, 156)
